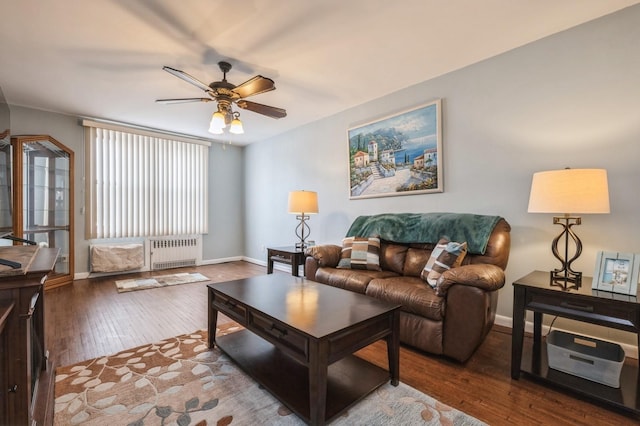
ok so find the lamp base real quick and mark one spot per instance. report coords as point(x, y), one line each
point(563, 278)
point(302, 231)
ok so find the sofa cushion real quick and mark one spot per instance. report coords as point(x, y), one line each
point(350, 279)
point(392, 256)
point(444, 256)
point(360, 253)
point(411, 293)
point(415, 260)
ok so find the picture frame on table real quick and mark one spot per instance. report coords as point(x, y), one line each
point(399, 154)
point(617, 272)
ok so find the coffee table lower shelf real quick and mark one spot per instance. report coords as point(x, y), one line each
point(349, 379)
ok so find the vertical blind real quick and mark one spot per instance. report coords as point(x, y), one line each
point(140, 184)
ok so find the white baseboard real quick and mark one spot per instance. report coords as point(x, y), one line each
point(80, 276)
point(222, 260)
point(630, 350)
point(256, 261)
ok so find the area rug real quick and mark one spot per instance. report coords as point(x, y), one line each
point(159, 281)
point(179, 381)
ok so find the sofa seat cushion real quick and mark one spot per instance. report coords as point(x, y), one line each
point(412, 293)
point(349, 279)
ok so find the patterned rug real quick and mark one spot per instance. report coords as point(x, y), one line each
point(179, 381)
point(159, 281)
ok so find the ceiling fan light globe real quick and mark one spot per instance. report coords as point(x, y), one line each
point(218, 121)
point(236, 127)
point(214, 125)
point(215, 130)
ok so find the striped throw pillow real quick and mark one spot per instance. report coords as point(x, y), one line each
point(360, 253)
point(445, 255)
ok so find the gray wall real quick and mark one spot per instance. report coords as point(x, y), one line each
point(226, 204)
point(225, 239)
point(570, 100)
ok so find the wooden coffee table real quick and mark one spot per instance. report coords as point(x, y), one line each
point(299, 340)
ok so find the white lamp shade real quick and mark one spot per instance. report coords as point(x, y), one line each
point(303, 202)
point(569, 191)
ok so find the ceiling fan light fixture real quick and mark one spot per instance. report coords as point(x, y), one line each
point(217, 121)
point(236, 125)
point(215, 130)
point(226, 94)
point(217, 124)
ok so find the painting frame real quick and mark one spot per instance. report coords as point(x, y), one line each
point(616, 272)
point(398, 154)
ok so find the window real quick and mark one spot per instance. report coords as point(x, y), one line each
point(141, 184)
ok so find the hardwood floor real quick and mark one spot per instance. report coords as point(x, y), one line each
point(90, 318)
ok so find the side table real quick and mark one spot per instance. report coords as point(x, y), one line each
point(533, 292)
point(290, 255)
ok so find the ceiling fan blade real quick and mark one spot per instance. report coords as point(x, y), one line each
point(182, 100)
point(267, 110)
point(254, 86)
point(188, 78)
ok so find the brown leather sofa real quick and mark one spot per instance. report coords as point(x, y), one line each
point(452, 319)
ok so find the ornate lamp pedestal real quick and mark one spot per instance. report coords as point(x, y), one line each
point(301, 230)
point(565, 276)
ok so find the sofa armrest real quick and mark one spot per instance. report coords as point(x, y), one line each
point(327, 255)
point(484, 276)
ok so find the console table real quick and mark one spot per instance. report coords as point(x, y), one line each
point(25, 378)
point(533, 292)
point(290, 255)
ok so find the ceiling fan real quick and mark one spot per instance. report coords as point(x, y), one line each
point(226, 94)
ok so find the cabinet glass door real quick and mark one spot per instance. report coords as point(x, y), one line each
point(6, 177)
point(45, 197)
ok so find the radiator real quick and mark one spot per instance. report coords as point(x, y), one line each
point(175, 251)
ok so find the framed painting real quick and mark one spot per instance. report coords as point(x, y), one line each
point(396, 155)
point(616, 272)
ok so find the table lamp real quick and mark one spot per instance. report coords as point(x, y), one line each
point(302, 204)
point(571, 192)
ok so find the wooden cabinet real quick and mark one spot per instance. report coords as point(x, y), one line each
point(25, 378)
point(43, 199)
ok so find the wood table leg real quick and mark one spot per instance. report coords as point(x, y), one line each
point(537, 329)
point(212, 315)
point(517, 332)
point(393, 349)
point(318, 372)
point(269, 263)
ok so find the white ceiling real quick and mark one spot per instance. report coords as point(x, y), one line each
point(104, 58)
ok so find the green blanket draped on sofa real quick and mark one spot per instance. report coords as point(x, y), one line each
point(427, 228)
